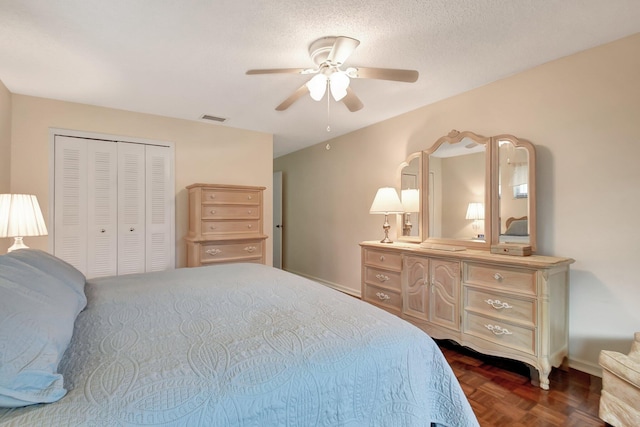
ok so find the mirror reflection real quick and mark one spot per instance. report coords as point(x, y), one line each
point(513, 193)
point(410, 197)
point(457, 173)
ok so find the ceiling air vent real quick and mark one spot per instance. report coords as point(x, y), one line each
point(213, 118)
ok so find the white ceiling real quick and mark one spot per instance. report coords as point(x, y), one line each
point(187, 58)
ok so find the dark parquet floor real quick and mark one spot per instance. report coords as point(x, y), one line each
point(501, 393)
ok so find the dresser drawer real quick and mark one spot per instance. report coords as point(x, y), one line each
point(389, 260)
point(383, 297)
point(497, 277)
point(215, 196)
point(230, 227)
point(229, 252)
point(496, 331)
point(230, 212)
point(383, 278)
point(501, 306)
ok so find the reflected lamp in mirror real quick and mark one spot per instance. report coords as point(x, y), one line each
point(410, 204)
point(386, 202)
point(20, 216)
point(475, 211)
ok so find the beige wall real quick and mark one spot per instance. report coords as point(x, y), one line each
point(582, 114)
point(204, 152)
point(5, 139)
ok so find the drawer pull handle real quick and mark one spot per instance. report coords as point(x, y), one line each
point(249, 197)
point(382, 277)
point(103, 230)
point(249, 211)
point(212, 227)
point(250, 249)
point(213, 252)
point(498, 277)
point(497, 304)
point(497, 330)
point(212, 196)
point(381, 258)
point(382, 296)
point(249, 226)
point(213, 212)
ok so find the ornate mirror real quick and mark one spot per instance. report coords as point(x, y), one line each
point(410, 223)
point(456, 187)
point(515, 207)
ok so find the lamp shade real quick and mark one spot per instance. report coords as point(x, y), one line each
point(317, 86)
point(20, 216)
point(475, 210)
point(386, 202)
point(338, 83)
point(411, 200)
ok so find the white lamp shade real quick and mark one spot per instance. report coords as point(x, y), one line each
point(411, 200)
point(317, 86)
point(386, 202)
point(20, 216)
point(338, 83)
point(475, 210)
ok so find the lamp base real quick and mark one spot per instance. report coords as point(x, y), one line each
point(386, 228)
point(17, 244)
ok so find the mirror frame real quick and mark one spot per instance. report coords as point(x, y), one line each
point(400, 217)
point(531, 190)
point(492, 201)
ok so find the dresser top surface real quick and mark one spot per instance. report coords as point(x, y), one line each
point(225, 186)
point(533, 261)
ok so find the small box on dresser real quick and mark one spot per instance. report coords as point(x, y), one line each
point(225, 224)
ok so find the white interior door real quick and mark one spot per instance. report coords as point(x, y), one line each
point(131, 208)
point(159, 209)
point(70, 201)
point(102, 208)
point(277, 219)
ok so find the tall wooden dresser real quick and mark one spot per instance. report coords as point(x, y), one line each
point(225, 224)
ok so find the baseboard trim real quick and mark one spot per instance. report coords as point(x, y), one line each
point(335, 286)
point(587, 367)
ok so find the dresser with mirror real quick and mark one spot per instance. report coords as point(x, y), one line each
point(464, 265)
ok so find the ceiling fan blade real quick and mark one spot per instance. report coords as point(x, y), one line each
point(299, 93)
point(408, 76)
point(342, 48)
point(352, 101)
point(280, 71)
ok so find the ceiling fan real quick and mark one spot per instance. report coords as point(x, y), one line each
point(329, 54)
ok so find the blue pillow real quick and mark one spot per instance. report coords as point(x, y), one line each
point(40, 298)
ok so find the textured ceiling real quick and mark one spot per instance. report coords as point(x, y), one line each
point(188, 58)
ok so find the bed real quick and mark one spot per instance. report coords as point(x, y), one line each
point(225, 345)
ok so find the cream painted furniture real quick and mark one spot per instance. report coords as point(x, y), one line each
point(512, 307)
point(225, 224)
point(620, 395)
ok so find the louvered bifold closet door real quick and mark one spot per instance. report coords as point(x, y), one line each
point(131, 208)
point(70, 201)
point(102, 208)
point(85, 206)
point(159, 181)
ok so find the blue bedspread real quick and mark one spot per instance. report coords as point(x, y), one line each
point(244, 345)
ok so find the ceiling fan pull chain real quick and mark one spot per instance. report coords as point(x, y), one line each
point(328, 103)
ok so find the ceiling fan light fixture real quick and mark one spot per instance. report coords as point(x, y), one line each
point(338, 83)
point(317, 86)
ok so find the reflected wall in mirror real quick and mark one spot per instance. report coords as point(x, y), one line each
point(457, 192)
point(411, 197)
point(516, 191)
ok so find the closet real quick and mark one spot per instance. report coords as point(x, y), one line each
point(113, 205)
